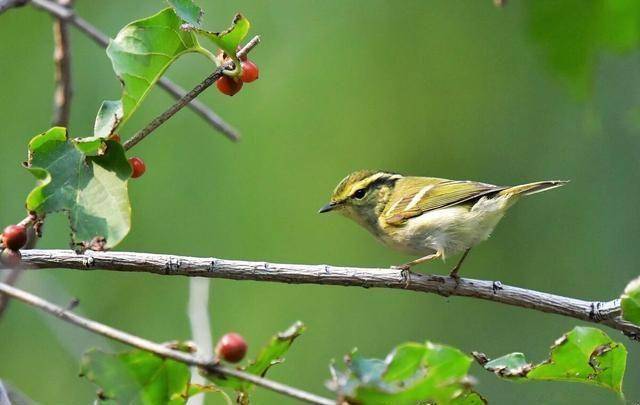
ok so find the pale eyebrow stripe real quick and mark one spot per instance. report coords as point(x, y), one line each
point(416, 198)
point(372, 179)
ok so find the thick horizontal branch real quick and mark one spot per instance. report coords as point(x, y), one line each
point(607, 313)
point(101, 39)
point(158, 349)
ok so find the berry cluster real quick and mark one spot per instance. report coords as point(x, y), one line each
point(14, 237)
point(231, 85)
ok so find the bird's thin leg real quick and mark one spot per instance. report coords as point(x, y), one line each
point(406, 268)
point(454, 271)
point(420, 260)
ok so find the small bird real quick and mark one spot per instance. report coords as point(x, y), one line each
point(427, 216)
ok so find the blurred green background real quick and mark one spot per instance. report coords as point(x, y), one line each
point(456, 89)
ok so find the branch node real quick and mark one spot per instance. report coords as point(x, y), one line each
point(596, 313)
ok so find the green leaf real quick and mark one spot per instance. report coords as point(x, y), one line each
point(137, 377)
point(366, 370)
point(404, 361)
point(92, 190)
point(585, 355)
point(230, 39)
point(270, 354)
point(187, 10)
point(411, 373)
point(108, 118)
point(140, 54)
point(630, 302)
point(572, 34)
point(509, 365)
point(90, 146)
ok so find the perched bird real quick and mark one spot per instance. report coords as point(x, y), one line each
point(427, 216)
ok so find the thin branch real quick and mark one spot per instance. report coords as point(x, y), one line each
point(198, 311)
point(208, 81)
point(158, 349)
point(62, 60)
point(10, 279)
point(103, 40)
point(7, 4)
point(607, 312)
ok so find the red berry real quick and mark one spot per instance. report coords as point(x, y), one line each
point(138, 167)
point(231, 347)
point(115, 137)
point(250, 71)
point(10, 258)
point(14, 237)
point(228, 85)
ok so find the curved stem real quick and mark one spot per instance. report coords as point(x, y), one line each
point(208, 54)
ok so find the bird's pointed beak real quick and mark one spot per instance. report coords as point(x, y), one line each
point(327, 207)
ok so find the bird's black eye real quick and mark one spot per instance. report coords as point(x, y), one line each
point(359, 194)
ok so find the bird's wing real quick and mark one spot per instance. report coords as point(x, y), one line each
point(422, 194)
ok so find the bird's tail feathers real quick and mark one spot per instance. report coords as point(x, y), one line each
point(533, 188)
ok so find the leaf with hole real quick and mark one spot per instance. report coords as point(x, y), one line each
point(411, 373)
point(585, 355)
point(92, 190)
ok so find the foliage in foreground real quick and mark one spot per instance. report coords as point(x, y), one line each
point(412, 372)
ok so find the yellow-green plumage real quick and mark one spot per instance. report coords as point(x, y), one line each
point(426, 215)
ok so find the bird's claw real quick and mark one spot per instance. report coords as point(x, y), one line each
point(405, 272)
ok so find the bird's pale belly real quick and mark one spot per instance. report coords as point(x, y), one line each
point(448, 231)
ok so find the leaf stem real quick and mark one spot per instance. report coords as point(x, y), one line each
point(204, 51)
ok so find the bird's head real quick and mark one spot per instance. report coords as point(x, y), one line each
point(362, 195)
